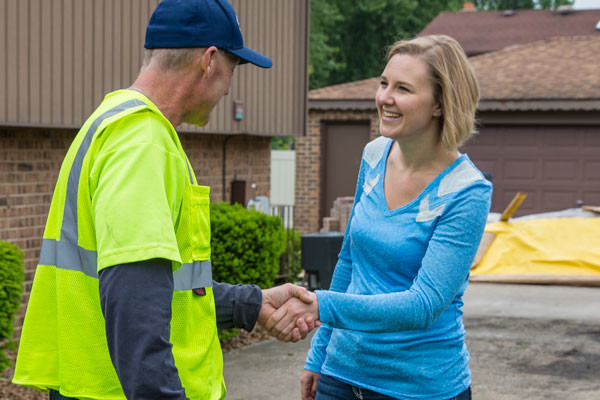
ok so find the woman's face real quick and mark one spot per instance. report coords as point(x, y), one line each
point(405, 99)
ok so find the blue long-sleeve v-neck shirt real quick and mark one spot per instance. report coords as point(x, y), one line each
point(392, 318)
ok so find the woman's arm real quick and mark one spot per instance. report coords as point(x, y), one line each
point(339, 283)
point(444, 269)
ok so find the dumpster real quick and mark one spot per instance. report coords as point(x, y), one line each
point(319, 256)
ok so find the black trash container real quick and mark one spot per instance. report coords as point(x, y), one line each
point(319, 256)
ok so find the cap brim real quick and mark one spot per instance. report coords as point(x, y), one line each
point(247, 55)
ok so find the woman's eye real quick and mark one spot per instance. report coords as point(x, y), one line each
point(403, 89)
point(382, 83)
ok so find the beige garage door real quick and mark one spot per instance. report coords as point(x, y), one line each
point(556, 166)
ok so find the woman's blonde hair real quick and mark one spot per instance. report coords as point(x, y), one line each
point(453, 78)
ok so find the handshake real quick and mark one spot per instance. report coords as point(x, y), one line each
point(289, 312)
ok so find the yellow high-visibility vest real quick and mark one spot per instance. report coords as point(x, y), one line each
point(126, 192)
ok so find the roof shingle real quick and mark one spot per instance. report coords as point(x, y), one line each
point(484, 31)
point(358, 90)
point(559, 73)
point(553, 69)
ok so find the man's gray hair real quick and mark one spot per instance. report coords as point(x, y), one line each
point(170, 59)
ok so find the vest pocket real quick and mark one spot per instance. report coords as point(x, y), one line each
point(193, 233)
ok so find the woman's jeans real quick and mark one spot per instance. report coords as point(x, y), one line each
point(333, 389)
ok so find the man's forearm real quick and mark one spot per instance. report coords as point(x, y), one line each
point(136, 302)
point(237, 306)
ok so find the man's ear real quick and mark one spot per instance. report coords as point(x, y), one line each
point(207, 60)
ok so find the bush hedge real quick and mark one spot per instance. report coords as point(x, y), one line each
point(246, 245)
point(11, 290)
point(291, 256)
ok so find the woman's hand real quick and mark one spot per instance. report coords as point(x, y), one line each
point(276, 298)
point(308, 384)
point(294, 315)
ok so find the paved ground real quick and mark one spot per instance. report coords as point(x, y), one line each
point(527, 342)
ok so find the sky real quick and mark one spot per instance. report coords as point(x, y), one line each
point(586, 4)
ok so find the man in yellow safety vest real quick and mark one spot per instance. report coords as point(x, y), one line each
point(123, 304)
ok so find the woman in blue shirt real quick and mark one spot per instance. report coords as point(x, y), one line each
point(392, 320)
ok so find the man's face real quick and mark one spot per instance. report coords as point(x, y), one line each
point(205, 97)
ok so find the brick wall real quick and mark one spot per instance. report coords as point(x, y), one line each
point(308, 163)
point(248, 158)
point(30, 160)
point(29, 164)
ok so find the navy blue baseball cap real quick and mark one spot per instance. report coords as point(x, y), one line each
point(200, 23)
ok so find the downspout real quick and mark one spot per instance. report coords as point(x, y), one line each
point(225, 162)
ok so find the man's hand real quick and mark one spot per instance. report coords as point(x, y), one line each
point(287, 317)
point(273, 299)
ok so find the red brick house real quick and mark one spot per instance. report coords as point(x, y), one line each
point(539, 129)
point(60, 58)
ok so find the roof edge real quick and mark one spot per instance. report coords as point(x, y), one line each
point(341, 104)
point(540, 105)
point(484, 105)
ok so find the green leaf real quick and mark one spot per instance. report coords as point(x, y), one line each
point(11, 289)
point(349, 38)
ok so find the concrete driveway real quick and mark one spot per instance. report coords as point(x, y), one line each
point(527, 342)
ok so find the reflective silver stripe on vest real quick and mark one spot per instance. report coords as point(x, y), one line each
point(69, 230)
point(189, 171)
point(66, 254)
point(197, 274)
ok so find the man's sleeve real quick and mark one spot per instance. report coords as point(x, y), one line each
point(136, 184)
point(237, 306)
point(136, 302)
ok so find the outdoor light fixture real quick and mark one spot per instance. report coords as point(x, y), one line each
point(238, 110)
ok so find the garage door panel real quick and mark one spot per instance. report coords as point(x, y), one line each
point(487, 166)
point(559, 169)
point(518, 140)
point(592, 138)
point(483, 141)
point(558, 199)
point(591, 197)
point(555, 165)
point(519, 169)
point(559, 139)
point(496, 201)
point(523, 186)
point(591, 170)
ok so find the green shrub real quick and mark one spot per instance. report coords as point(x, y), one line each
point(11, 289)
point(245, 245)
point(290, 259)
point(228, 334)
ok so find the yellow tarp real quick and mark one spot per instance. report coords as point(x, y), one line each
point(558, 246)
